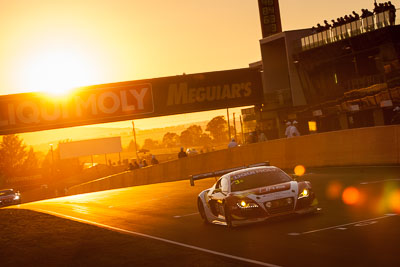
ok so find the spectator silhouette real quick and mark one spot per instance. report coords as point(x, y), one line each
point(130, 166)
point(232, 143)
point(293, 130)
point(262, 137)
point(356, 16)
point(327, 25)
point(144, 163)
point(182, 153)
point(136, 165)
point(287, 131)
point(154, 161)
point(319, 28)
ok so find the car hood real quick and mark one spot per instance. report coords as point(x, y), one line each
point(7, 196)
point(280, 189)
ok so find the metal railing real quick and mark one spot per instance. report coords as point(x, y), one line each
point(351, 29)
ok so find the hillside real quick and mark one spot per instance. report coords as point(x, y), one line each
point(40, 141)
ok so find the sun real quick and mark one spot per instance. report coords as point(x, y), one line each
point(59, 70)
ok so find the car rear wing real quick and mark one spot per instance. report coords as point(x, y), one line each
point(218, 173)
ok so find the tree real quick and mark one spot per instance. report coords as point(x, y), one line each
point(171, 140)
point(150, 144)
point(218, 129)
point(31, 162)
point(56, 168)
point(191, 136)
point(205, 140)
point(12, 155)
point(131, 146)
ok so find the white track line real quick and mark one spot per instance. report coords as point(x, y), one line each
point(341, 226)
point(380, 181)
point(180, 216)
point(157, 238)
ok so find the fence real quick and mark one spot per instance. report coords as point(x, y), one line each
point(363, 146)
point(351, 29)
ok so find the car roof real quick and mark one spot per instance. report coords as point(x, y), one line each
point(249, 169)
point(5, 190)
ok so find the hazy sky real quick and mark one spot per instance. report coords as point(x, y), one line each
point(50, 45)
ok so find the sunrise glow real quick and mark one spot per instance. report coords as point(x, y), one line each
point(58, 70)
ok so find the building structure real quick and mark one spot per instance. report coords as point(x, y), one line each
point(340, 78)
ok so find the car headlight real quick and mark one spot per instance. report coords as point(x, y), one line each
point(16, 197)
point(243, 204)
point(304, 193)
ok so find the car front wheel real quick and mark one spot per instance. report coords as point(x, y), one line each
point(228, 217)
point(201, 211)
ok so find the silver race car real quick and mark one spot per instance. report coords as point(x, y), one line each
point(253, 194)
point(9, 197)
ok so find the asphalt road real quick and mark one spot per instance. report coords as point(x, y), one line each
point(365, 233)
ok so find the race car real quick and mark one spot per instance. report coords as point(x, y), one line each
point(253, 194)
point(9, 197)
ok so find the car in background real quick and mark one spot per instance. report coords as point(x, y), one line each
point(191, 152)
point(254, 194)
point(9, 197)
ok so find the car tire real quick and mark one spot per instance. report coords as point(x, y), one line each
point(202, 211)
point(228, 217)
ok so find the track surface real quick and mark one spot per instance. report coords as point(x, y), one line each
point(364, 234)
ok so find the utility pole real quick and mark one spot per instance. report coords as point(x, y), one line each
point(52, 161)
point(134, 136)
point(241, 127)
point(229, 126)
point(234, 126)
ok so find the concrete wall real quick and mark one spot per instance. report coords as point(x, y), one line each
point(365, 146)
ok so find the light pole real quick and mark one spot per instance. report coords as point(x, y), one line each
point(52, 154)
point(234, 126)
point(229, 126)
point(134, 136)
point(52, 163)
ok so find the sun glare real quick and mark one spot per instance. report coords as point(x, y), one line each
point(58, 71)
point(299, 170)
point(334, 189)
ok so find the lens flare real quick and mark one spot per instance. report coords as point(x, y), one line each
point(351, 195)
point(334, 190)
point(394, 201)
point(299, 170)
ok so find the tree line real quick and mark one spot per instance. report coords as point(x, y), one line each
point(216, 132)
point(18, 160)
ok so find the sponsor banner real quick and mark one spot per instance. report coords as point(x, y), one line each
point(130, 100)
point(90, 147)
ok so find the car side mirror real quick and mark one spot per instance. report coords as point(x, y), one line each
point(217, 190)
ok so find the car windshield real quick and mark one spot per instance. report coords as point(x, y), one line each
point(6, 192)
point(258, 178)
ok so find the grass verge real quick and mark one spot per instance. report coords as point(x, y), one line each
point(29, 238)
